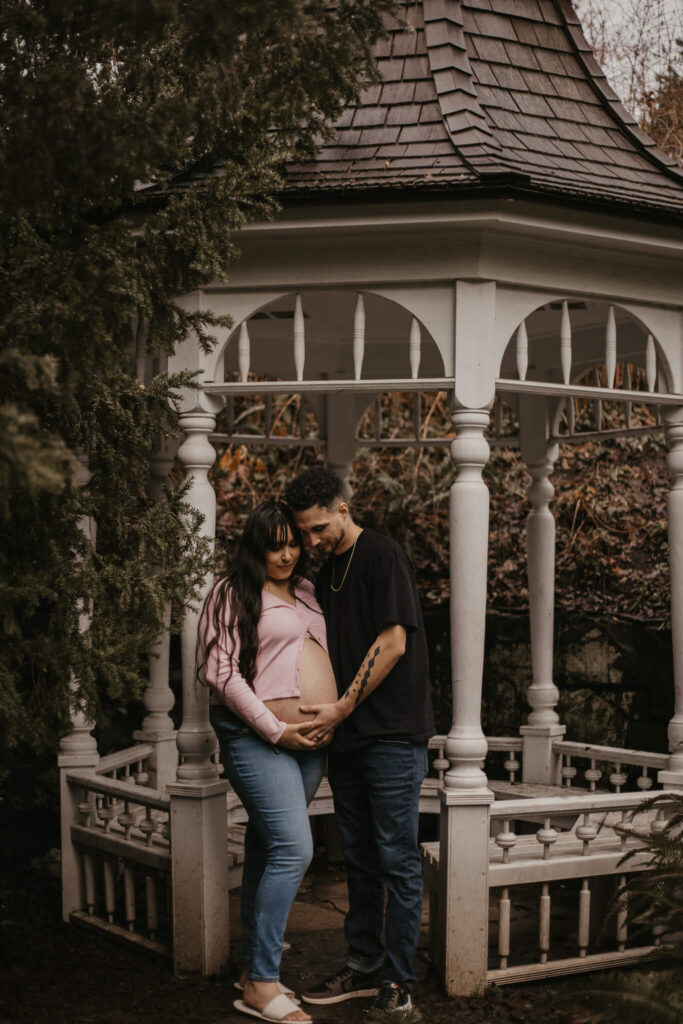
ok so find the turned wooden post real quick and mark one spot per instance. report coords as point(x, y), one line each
point(672, 778)
point(465, 800)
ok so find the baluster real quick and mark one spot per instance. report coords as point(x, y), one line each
point(268, 414)
point(592, 776)
point(586, 832)
point(610, 347)
point(547, 836)
point(89, 879)
point(230, 407)
point(299, 339)
point(129, 893)
point(88, 809)
point(584, 917)
point(109, 896)
point(148, 827)
point(622, 920)
point(597, 404)
point(627, 387)
point(244, 351)
point(660, 822)
point(151, 905)
point(571, 415)
point(566, 344)
point(644, 782)
point(512, 765)
point(440, 764)
point(522, 342)
point(108, 812)
point(140, 776)
point(417, 414)
point(358, 336)
point(127, 819)
point(504, 928)
point(650, 363)
point(544, 923)
point(568, 771)
point(378, 418)
point(505, 840)
point(618, 778)
point(415, 348)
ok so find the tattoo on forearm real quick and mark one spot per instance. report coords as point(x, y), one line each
point(357, 694)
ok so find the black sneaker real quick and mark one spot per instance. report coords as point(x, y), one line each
point(345, 984)
point(391, 998)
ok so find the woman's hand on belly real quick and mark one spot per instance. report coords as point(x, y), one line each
point(295, 737)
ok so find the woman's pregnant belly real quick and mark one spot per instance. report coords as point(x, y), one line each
point(317, 685)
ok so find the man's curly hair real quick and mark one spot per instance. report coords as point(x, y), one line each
point(317, 486)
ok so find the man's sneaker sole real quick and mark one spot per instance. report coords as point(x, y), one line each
point(358, 993)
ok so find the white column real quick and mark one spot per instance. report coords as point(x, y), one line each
point(196, 739)
point(672, 778)
point(539, 763)
point(199, 828)
point(157, 725)
point(466, 799)
point(78, 749)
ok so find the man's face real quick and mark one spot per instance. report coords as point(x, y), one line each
point(323, 529)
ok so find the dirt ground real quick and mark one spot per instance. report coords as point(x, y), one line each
point(51, 973)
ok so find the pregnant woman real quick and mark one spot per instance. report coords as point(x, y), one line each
point(264, 652)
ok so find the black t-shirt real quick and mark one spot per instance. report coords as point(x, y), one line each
point(379, 590)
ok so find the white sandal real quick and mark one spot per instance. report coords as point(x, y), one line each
point(276, 1010)
point(283, 988)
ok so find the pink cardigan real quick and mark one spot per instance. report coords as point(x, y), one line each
point(282, 630)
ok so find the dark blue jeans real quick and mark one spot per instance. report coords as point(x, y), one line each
point(376, 800)
point(275, 786)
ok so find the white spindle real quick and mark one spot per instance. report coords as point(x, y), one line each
point(512, 765)
point(610, 347)
point(415, 347)
point(592, 775)
point(522, 351)
point(546, 836)
point(244, 351)
point(299, 339)
point(584, 917)
point(505, 840)
point(568, 771)
point(544, 923)
point(644, 781)
point(618, 778)
point(504, 928)
point(566, 344)
point(358, 336)
point(586, 833)
point(650, 363)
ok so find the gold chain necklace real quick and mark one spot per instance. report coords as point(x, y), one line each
point(348, 566)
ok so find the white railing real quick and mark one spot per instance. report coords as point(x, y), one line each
point(606, 765)
point(123, 842)
point(591, 851)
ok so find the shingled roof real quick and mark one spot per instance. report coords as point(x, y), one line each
point(477, 93)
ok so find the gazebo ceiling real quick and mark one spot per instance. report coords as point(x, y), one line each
point(482, 93)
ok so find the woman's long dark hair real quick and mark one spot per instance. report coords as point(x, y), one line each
point(241, 585)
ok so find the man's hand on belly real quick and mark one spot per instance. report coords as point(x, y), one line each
point(327, 718)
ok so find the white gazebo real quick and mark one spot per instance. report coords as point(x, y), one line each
point(489, 221)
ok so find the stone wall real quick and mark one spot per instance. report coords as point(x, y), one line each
point(615, 678)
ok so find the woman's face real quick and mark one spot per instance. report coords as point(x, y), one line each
point(280, 562)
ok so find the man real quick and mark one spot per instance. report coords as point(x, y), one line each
point(381, 723)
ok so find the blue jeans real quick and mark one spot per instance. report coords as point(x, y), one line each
point(275, 786)
point(376, 800)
